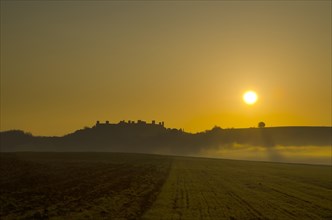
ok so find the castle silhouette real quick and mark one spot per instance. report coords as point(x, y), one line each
point(127, 123)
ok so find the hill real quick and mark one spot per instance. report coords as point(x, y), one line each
point(142, 137)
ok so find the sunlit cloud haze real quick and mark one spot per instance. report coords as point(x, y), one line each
point(66, 64)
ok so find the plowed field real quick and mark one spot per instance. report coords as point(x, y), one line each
point(225, 189)
point(138, 186)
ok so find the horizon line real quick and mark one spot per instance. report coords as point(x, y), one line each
point(141, 122)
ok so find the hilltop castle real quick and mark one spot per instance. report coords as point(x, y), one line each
point(123, 122)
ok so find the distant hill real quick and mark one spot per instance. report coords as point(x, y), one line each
point(142, 137)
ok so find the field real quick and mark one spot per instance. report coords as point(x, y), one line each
point(138, 186)
point(225, 189)
point(79, 185)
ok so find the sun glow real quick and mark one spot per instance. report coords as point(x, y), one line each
point(250, 97)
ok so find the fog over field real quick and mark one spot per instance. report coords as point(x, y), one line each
point(288, 154)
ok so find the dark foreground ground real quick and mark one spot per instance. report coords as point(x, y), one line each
point(138, 186)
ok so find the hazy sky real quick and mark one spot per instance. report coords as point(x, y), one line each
point(66, 64)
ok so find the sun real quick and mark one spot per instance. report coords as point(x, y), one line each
point(250, 97)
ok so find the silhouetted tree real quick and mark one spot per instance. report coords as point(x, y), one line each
point(216, 129)
point(261, 124)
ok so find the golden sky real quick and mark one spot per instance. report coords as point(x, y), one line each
point(66, 64)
